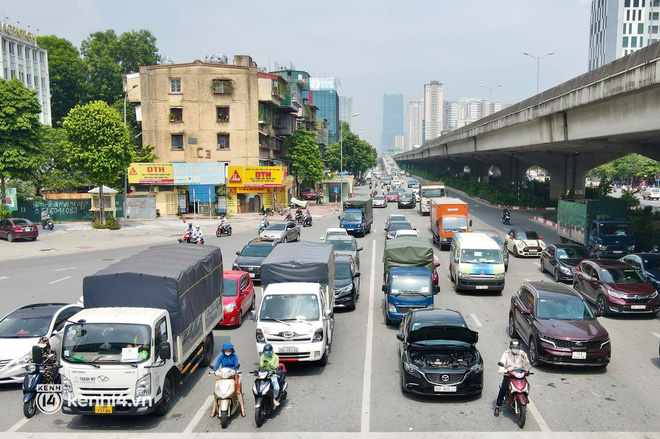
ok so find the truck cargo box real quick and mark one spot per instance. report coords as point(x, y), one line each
point(408, 252)
point(299, 262)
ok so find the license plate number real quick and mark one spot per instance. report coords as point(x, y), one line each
point(637, 306)
point(617, 251)
point(27, 229)
point(289, 349)
point(579, 355)
point(251, 274)
point(103, 409)
point(482, 287)
point(444, 389)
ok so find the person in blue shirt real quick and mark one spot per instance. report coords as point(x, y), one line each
point(228, 358)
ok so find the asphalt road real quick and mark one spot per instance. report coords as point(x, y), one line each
point(358, 391)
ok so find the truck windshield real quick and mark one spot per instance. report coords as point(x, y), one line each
point(469, 256)
point(433, 192)
point(406, 284)
point(106, 343)
point(351, 216)
point(615, 230)
point(456, 223)
point(290, 307)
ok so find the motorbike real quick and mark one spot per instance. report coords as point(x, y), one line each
point(223, 229)
point(262, 225)
point(34, 377)
point(307, 220)
point(288, 217)
point(48, 223)
point(517, 395)
point(267, 211)
point(225, 394)
point(370, 186)
point(506, 218)
point(299, 218)
point(263, 393)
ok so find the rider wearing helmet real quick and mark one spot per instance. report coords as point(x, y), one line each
point(512, 358)
point(228, 358)
point(270, 361)
point(198, 233)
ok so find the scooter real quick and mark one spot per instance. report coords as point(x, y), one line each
point(49, 224)
point(263, 393)
point(517, 396)
point(186, 237)
point(307, 221)
point(506, 218)
point(299, 218)
point(262, 225)
point(223, 229)
point(34, 377)
point(225, 394)
point(267, 211)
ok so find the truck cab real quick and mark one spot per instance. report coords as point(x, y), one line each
point(357, 216)
point(610, 239)
point(407, 288)
point(448, 216)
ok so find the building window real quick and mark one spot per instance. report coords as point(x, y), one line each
point(624, 28)
point(21, 76)
point(626, 3)
point(223, 141)
point(633, 41)
point(29, 80)
point(6, 73)
point(641, 41)
point(222, 114)
point(43, 83)
point(222, 86)
point(20, 51)
point(34, 54)
point(176, 114)
point(655, 3)
point(175, 85)
point(624, 42)
point(41, 57)
point(635, 3)
point(12, 48)
point(27, 53)
point(13, 74)
point(36, 81)
point(640, 28)
point(177, 141)
point(654, 16)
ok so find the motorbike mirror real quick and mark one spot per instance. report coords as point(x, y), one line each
point(437, 264)
point(540, 237)
point(499, 363)
point(37, 357)
point(338, 217)
point(238, 253)
point(165, 351)
point(401, 337)
point(383, 288)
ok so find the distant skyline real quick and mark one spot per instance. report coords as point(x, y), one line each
point(372, 46)
point(392, 120)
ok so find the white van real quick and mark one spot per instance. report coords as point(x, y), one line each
point(652, 193)
point(475, 262)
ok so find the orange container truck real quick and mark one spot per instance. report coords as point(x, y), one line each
point(448, 216)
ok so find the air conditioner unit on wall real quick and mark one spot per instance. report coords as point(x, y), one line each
point(153, 189)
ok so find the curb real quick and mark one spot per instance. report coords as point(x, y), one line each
point(524, 207)
point(549, 223)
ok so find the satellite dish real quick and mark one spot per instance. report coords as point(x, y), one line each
point(166, 60)
point(218, 58)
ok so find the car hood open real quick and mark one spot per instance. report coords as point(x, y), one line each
point(442, 332)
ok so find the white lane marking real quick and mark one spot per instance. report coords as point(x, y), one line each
point(17, 425)
point(366, 380)
point(537, 415)
point(476, 321)
point(538, 263)
point(656, 334)
point(4, 277)
point(471, 211)
point(527, 280)
point(198, 416)
point(59, 280)
point(64, 269)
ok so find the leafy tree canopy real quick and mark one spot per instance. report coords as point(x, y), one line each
point(358, 154)
point(305, 156)
point(633, 164)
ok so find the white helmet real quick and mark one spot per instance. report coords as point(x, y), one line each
point(197, 226)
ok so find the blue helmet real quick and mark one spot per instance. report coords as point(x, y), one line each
point(227, 346)
point(268, 349)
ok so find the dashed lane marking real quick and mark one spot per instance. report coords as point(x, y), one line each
point(198, 416)
point(4, 277)
point(476, 321)
point(656, 334)
point(18, 425)
point(59, 280)
point(64, 269)
point(366, 380)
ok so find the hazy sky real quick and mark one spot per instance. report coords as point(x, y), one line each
point(372, 46)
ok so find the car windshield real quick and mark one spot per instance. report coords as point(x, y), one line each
point(392, 193)
point(454, 223)
point(396, 218)
point(470, 256)
point(290, 307)
point(622, 276)
point(527, 235)
point(257, 251)
point(343, 245)
point(336, 233)
point(379, 198)
point(277, 226)
point(229, 286)
point(106, 343)
point(342, 270)
point(26, 323)
point(571, 253)
point(651, 262)
point(351, 216)
point(406, 284)
point(615, 230)
point(433, 192)
point(572, 308)
point(405, 196)
point(399, 226)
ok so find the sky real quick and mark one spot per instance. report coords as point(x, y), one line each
point(372, 46)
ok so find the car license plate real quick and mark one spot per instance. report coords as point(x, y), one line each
point(637, 306)
point(251, 274)
point(103, 409)
point(444, 389)
point(617, 251)
point(349, 230)
point(27, 229)
point(289, 349)
point(579, 355)
point(482, 287)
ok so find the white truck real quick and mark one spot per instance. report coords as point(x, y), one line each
point(147, 324)
point(296, 311)
point(428, 190)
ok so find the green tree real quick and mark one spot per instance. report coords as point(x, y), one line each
point(67, 75)
point(54, 172)
point(631, 165)
point(97, 144)
point(305, 156)
point(20, 133)
point(358, 154)
point(135, 49)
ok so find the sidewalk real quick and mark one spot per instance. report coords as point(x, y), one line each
point(68, 238)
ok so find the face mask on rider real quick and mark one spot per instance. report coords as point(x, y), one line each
point(515, 351)
point(227, 353)
point(269, 354)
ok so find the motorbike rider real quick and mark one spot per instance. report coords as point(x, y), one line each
point(228, 358)
point(270, 361)
point(46, 351)
point(198, 233)
point(512, 358)
point(505, 211)
point(44, 218)
point(655, 249)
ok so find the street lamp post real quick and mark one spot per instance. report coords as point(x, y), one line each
point(490, 91)
point(125, 172)
point(341, 155)
point(538, 66)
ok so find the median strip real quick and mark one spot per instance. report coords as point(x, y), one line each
point(548, 223)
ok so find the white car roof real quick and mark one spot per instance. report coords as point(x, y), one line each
point(336, 230)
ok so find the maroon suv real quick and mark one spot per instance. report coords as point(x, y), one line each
point(615, 288)
point(18, 228)
point(558, 326)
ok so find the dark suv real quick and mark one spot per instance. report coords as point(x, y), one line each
point(250, 258)
point(615, 287)
point(558, 326)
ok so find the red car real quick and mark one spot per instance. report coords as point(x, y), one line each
point(18, 228)
point(238, 297)
point(309, 194)
point(392, 197)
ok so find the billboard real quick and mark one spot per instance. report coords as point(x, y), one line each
point(322, 83)
point(150, 173)
point(199, 173)
point(254, 176)
point(10, 198)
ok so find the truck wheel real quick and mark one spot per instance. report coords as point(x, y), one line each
point(436, 240)
point(207, 355)
point(166, 401)
point(592, 253)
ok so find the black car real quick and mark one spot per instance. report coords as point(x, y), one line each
point(250, 258)
point(438, 354)
point(406, 199)
point(347, 282)
point(647, 264)
point(561, 259)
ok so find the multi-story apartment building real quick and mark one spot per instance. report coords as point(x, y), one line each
point(620, 27)
point(467, 110)
point(22, 58)
point(415, 128)
point(433, 110)
point(392, 120)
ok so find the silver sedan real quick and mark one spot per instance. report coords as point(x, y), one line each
point(284, 232)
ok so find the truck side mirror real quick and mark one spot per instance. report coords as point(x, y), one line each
point(401, 337)
point(436, 289)
point(360, 249)
point(499, 363)
point(165, 351)
point(338, 217)
point(470, 224)
point(357, 274)
point(383, 288)
point(253, 315)
point(327, 313)
point(455, 260)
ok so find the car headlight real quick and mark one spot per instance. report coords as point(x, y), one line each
point(411, 368)
point(653, 295)
point(631, 248)
point(499, 276)
point(601, 247)
point(344, 290)
point(143, 387)
point(391, 308)
point(31, 368)
point(231, 307)
point(260, 337)
point(463, 275)
point(23, 360)
point(565, 270)
point(520, 244)
point(67, 388)
point(617, 295)
point(542, 244)
point(318, 335)
point(547, 339)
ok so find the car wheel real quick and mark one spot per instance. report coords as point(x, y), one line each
point(557, 278)
point(533, 353)
point(515, 252)
point(10, 237)
point(33, 239)
point(512, 326)
point(284, 240)
point(542, 265)
point(239, 322)
point(601, 305)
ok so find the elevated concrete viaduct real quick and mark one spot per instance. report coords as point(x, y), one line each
point(590, 120)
